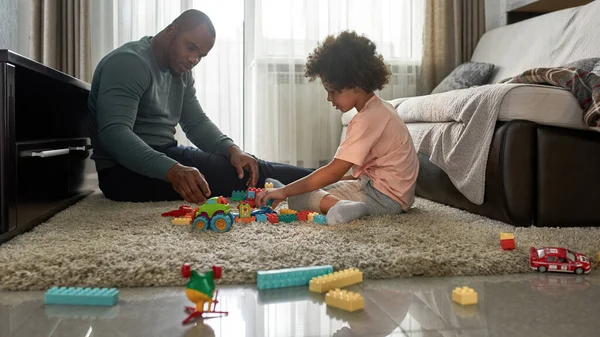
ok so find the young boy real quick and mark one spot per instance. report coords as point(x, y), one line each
point(378, 147)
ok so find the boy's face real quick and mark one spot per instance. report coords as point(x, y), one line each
point(343, 100)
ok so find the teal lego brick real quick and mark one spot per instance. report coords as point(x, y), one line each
point(238, 195)
point(82, 296)
point(261, 218)
point(320, 219)
point(290, 277)
point(288, 218)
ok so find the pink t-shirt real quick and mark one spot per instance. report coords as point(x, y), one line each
point(379, 145)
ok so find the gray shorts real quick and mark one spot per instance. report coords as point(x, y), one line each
point(357, 190)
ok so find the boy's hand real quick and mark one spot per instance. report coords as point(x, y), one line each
point(278, 194)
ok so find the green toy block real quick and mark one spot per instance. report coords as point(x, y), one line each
point(238, 195)
point(288, 218)
point(290, 277)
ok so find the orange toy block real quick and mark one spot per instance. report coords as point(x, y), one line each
point(507, 241)
point(272, 218)
point(245, 220)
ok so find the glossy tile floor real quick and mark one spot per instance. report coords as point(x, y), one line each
point(533, 304)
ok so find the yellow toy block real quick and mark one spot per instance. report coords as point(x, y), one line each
point(268, 185)
point(181, 221)
point(345, 300)
point(311, 216)
point(507, 236)
point(287, 211)
point(339, 279)
point(464, 296)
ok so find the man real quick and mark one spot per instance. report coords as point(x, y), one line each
point(139, 93)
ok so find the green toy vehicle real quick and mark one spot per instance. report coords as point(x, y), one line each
point(215, 213)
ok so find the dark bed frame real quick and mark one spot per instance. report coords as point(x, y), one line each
point(536, 175)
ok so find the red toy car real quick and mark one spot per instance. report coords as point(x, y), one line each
point(558, 259)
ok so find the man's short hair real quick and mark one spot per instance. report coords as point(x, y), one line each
point(191, 18)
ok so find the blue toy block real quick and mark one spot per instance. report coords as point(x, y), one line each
point(82, 296)
point(290, 277)
point(238, 195)
point(261, 218)
point(262, 210)
point(320, 219)
point(288, 218)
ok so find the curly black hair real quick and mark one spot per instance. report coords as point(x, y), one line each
point(348, 61)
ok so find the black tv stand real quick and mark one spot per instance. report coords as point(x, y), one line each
point(44, 143)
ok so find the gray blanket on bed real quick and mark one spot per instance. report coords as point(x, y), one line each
point(455, 131)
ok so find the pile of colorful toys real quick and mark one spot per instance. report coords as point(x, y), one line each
point(216, 214)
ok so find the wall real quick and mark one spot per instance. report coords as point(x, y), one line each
point(8, 24)
point(495, 14)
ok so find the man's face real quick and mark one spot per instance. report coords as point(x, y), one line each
point(188, 48)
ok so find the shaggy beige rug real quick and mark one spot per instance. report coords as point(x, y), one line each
point(100, 243)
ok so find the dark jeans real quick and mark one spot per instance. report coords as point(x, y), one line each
point(120, 184)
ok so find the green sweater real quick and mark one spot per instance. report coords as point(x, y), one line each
point(135, 105)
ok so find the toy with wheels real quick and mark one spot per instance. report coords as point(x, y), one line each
point(214, 214)
point(558, 259)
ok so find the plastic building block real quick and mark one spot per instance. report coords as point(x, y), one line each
point(303, 215)
point(82, 296)
point(287, 211)
point(339, 279)
point(246, 220)
point(272, 218)
point(244, 209)
point(507, 241)
point(263, 210)
point(182, 221)
point(320, 219)
point(181, 211)
point(288, 218)
point(290, 277)
point(345, 300)
point(464, 296)
point(238, 195)
point(268, 185)
point(261, 218)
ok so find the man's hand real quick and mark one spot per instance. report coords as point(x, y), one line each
point(241, 160)
point(189, 183)
point(278, 194)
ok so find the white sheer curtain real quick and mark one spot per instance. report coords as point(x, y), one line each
point(252, 83)
point(218, 76)
point(288, 119)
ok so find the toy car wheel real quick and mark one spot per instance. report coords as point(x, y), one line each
point(579, 271)
point(220, 223)
point(542, 269)
point(201, 223)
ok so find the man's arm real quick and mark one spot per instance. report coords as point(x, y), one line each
point(201, 131)
point(124, 80)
